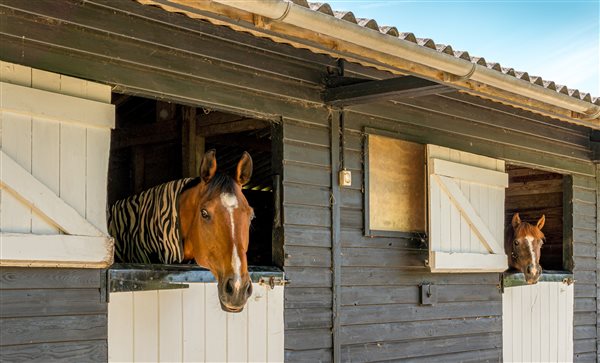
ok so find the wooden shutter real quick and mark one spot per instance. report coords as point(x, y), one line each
point(55, 139)
point(466, 211)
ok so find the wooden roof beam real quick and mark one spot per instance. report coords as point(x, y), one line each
point(382, 90)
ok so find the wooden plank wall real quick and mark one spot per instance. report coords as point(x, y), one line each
point(381, 315)
point(307, 235)
point(585, 268)
point(52, 314)
point(188, 325)
point(224, 72)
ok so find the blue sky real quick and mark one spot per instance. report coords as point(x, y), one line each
point(557, 40)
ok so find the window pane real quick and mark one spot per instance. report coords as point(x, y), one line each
point(396, 185)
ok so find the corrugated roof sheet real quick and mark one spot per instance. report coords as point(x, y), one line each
point(443, 48)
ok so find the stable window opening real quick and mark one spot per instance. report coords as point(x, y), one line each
point(534, 193)
point(155, 142)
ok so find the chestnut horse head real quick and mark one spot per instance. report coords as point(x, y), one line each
point(215, 225)
point(523, 245)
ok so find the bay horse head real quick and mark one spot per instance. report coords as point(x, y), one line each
point(215, 224)
point(523, 244)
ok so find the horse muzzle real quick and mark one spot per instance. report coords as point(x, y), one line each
point(532, 273)
point(233, 296)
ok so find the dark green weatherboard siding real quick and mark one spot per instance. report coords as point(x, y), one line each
point(52, 314)
point(146, 51)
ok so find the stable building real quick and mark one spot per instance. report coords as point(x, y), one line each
point(386, 168)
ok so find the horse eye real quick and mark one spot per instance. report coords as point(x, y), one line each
point(205, 214)
point(516, 242)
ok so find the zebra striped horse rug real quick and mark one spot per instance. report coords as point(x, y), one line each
point(146, 225)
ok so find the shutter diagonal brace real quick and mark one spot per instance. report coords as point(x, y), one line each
point(18, 181)
point(469, 213)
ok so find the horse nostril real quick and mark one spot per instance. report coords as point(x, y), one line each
point(249, 289)
point(229, 287)
point(530, 269)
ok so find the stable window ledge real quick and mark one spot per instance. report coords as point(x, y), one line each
point(143, 277)
point(512, 279)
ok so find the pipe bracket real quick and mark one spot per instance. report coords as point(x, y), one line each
point(288, 7)
point(591, 116)
point(449, 77)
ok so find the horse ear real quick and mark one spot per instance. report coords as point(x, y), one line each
point(208, 168)
point(516, 220)
point(244, 169)
point(540, 223)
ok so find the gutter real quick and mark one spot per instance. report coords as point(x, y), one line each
point(459, 69)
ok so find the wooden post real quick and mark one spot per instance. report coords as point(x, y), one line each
point(567, 212)
point(192, 143)
point(336, 247)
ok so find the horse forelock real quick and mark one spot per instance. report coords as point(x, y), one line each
point(525, 229)
point(218, 184)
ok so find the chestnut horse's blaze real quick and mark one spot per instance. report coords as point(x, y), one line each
point(523, 246)
point(206, 219)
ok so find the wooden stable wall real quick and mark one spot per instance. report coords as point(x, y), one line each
point(381, 318)
point(472, 301)
point(50, 314)
point(350, 297)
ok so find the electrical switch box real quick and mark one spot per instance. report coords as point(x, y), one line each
point(345, 178)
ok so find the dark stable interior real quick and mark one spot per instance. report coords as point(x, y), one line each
point(532, 193)
point(151, 143)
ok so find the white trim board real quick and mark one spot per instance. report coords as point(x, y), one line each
point(467, 262)
point(469, 173)
point(55, 106)
point(60, 250)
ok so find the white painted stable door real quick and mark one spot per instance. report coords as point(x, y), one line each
point(188, 325)
point(537, 323)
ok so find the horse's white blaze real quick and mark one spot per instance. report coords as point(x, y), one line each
point(530, 245)
point(230, 202)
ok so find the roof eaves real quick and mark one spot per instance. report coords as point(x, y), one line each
point(588, 116)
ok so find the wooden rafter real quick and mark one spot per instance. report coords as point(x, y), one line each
point(382, 90)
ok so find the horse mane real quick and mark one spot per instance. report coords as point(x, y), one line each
point(219, 183)
point(526, 229)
